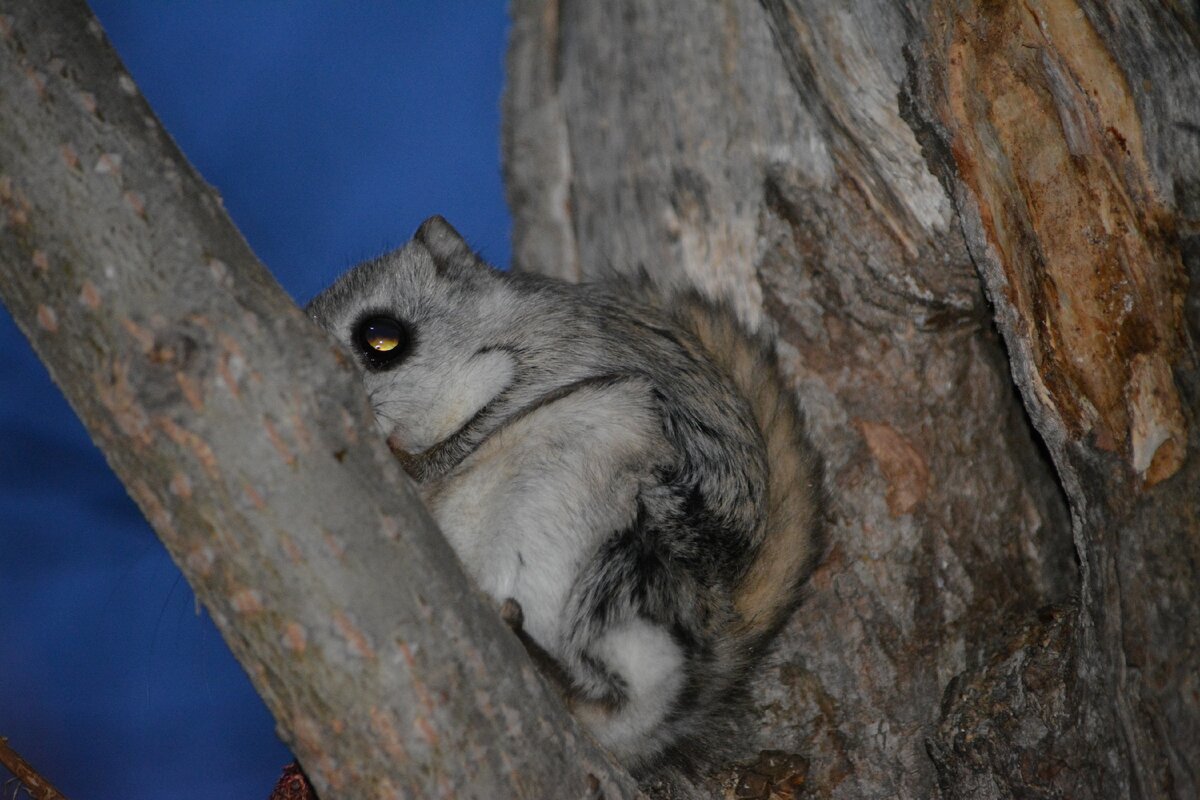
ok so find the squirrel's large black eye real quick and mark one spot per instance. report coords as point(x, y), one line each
point(383, 341)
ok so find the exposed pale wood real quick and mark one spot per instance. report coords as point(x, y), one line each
point(1069, 134)
point(246, 439)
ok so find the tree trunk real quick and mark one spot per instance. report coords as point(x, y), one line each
point(246, 438)
point(976, 229)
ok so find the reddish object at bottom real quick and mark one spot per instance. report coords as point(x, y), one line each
point(293, 785)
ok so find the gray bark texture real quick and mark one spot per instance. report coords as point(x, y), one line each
point(976, 228)
point(245, 437)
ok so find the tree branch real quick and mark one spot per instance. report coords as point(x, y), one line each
point(38, 787)
point(246, 439)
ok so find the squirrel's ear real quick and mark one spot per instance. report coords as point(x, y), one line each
point(444, 243)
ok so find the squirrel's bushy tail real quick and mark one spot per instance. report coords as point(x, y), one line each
point(791, 541)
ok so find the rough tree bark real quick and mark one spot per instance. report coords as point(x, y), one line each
point(247, 441)
point(976, 227)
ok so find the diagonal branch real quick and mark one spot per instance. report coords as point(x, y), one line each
point(30, 779)
point(247, 441)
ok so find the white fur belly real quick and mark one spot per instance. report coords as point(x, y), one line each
point(510, 555)
point(527, 509)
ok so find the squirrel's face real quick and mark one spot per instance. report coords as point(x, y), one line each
point(420, 322)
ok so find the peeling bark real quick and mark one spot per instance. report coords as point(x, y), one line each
point(1045, 136)
point(1070, 134)
point(975, 228)
point(245, 437)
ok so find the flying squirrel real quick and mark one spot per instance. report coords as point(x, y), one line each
point(621, 466)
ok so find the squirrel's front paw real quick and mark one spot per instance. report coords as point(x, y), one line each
point(513, 615)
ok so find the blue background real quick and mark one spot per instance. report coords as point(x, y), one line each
point(331, 130)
